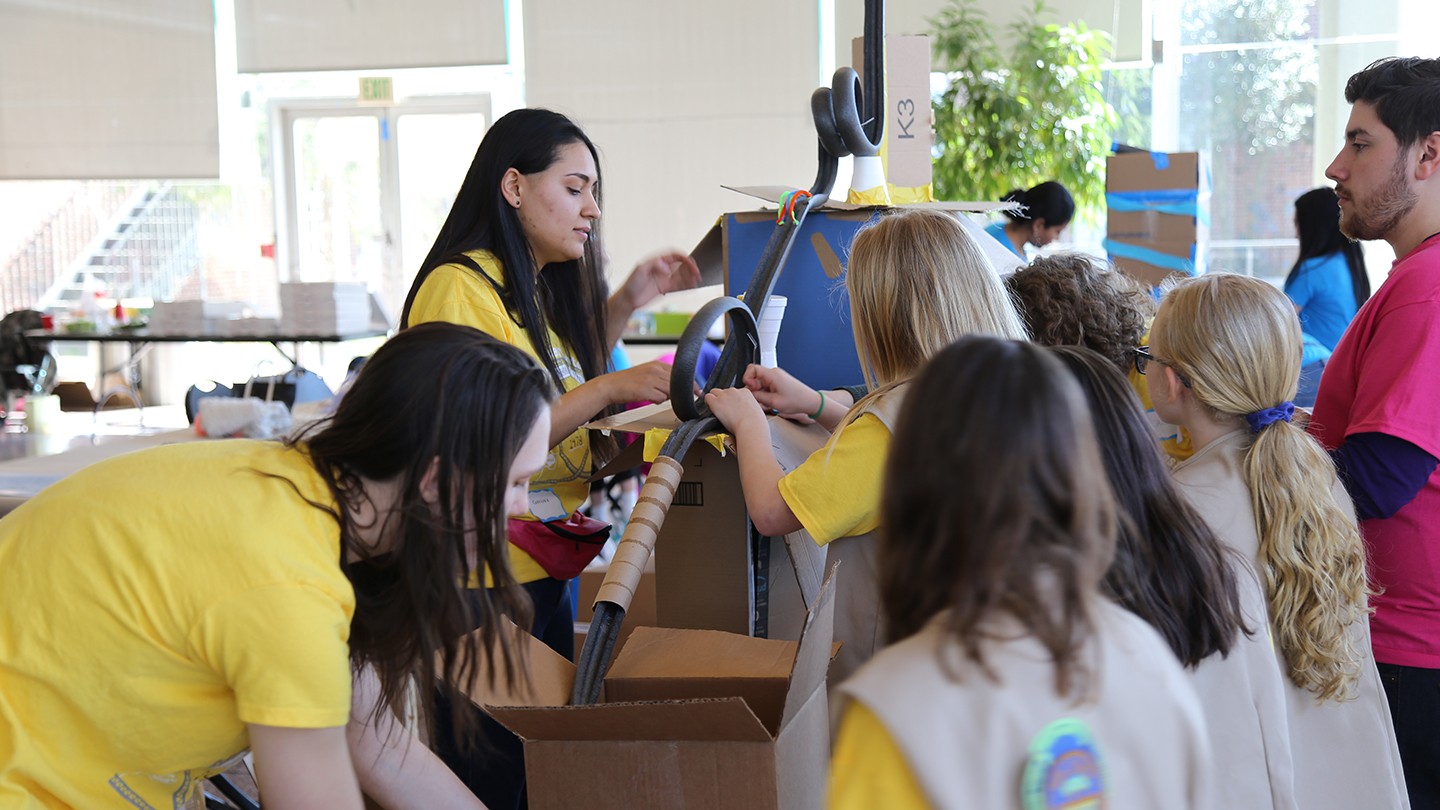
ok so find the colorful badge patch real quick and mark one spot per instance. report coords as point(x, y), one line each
point(1064, 770)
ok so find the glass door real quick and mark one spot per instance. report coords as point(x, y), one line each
point(363, 190)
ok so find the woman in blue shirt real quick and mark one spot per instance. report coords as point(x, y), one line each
point(1047, 209)
point(1328, 282)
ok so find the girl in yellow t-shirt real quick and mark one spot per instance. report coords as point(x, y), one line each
point(917, 282)
point(518, 258)
point(163, 611)
point(1013, 682)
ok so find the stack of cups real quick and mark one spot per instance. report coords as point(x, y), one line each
point(769, 326)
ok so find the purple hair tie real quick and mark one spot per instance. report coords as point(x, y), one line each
point(1262, 418)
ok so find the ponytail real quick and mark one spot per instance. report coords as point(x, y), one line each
point(1312, 561)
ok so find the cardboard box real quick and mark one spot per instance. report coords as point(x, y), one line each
point(816, 342)
point(909, 132)
point(694, 719)
point(1158, 220)
point(711, 571)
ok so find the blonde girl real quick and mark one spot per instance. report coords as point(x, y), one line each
point(917, 282)
point(1224, 363)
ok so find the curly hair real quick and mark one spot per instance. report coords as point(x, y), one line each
point(1069, 299)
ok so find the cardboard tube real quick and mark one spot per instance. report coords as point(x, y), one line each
point(641, 531)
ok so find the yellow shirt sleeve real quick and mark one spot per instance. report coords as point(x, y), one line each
point(868, 770)
point(283, 651)
point(454, 294)
point(836, 492)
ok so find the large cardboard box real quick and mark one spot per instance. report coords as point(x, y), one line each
point(909, 131)
point(693, 719)
point(712, 572)
point(1158, 218)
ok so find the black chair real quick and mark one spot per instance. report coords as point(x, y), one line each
point(26, 364)
point(200, 390)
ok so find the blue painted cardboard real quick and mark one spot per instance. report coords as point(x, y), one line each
point(816, 343)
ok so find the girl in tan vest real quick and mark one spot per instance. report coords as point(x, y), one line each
point(1013, 681)
point(1224, 363)
point(917, 281)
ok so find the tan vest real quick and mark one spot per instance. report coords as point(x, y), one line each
point(979, 743)
point(857, 582)
point(1276, 744)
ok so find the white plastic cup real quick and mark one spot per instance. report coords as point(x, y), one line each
point(42, 412)
point(769, 328)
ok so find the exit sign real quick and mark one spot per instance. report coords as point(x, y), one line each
point(377, 90)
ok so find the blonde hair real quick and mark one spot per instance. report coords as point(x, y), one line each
point(917, 283)
point(1237, 340)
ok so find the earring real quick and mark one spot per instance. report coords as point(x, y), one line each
point(515, 203)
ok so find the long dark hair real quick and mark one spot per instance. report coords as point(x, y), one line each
point(1169, 568)
point(1317, 219)
point(456, 397)
point(994, 503)
point(568, 297)
point(1049, 201)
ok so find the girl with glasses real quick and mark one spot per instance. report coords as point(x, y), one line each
point(1224, 367)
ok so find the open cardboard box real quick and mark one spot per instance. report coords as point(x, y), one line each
point(689, 718)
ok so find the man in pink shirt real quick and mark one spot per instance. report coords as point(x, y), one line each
point(1378, 408)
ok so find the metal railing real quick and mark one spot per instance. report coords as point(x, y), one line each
point(63, 239)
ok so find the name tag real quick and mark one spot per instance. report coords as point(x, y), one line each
point(546, 505)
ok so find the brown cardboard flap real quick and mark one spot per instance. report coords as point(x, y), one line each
point(548, 680)
point(812, 660)
point(719, 720)
point(709, 256)
point(774, 193)
point(664, 652)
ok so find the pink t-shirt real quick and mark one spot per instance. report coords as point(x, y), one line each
point(1384, 377)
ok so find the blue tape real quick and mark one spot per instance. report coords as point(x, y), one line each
point(1161, 159)
point(1181, 201)
point(1155, 257)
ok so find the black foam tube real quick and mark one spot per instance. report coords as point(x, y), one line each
point(744, 334)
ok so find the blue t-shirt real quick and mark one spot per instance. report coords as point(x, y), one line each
point(997, 230)
point(1325, 296)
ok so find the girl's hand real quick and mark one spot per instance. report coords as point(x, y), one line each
point(660, 274)
point(647, 382)
point(736, 409)
point(775, 389)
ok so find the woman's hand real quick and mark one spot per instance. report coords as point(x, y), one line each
point(737, 410)
point(647, 382)
point(657, 275)
point(775, 389)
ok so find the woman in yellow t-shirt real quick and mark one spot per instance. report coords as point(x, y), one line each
point(1013, 682)
point(519, 258)
point(917, 282)
point(164, 611)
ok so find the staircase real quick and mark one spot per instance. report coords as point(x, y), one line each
point(126, 240)
point(150, 250)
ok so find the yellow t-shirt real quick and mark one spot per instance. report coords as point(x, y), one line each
point(867, 769)
point(454, 294)
point(836, 492)
point(150, 606)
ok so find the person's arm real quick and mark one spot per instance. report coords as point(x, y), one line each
point(396, 769)
point(776, 389)
point(301, 768)
point(760, 473)
point(647, 382)
point(1382, 473)
point(655, 276)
